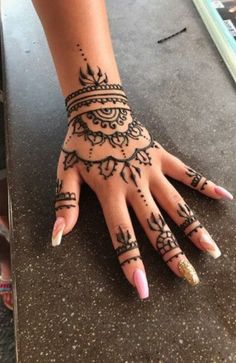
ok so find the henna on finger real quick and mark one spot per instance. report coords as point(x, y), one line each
point(125, 240)
point(165, 241)
point(63, 197)
point(189, 218)
point(126, 245)
point(196, 178)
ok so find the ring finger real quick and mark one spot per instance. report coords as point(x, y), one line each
point(172, 202)
point(161, 236)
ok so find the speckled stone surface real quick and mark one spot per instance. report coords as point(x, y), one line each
point(72, 303)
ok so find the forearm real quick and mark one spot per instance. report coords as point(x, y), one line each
point(78, 34)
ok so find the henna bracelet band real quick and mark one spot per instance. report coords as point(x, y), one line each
point(103, 94)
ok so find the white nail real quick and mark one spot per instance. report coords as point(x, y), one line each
point(206, 238)
point(58, 229)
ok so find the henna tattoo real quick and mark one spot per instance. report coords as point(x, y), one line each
point(196, 178)
point(114, 125)
point(59, 184)
point(142, 196)
point(96, 90)
point(135, 258)
point(63, 196)
point(68, 206)
point(107, 166)
point(185, 212)
point(118, 138)
point(108, 117)
point(173, 257)
point(165, 241)
point(85, 90)
point(194, 230)
point(81, 51)
point(203, 185)
point(97, 99)
point(91, 77)
point(125, 240)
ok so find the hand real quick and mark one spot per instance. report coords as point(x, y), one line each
point(110, 150)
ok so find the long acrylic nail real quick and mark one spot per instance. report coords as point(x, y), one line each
point(58, 231)
point(209, 245)
point(141, 283)
point(188, 272)
point(224, 193)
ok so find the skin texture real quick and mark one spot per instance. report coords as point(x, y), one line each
point(110, 150)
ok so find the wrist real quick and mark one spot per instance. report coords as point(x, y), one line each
point(95, 92)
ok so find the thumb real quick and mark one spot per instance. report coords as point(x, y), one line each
point(66, 203)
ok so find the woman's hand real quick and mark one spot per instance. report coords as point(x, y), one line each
point(110, 150)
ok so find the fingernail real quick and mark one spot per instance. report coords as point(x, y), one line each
point(224, 193)
point(209, 245)
point(4, 231)
point(141, 283)
point(188, 272)
point(58, 231)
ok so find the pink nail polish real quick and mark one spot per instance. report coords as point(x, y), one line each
point(58, 231)
point(224, 193)
point(141, 283)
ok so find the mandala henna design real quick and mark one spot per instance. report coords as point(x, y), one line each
point(118, 138)
point(116, 127)
point(196, 178)
point(125, 240)
point(63, 197)
point(108, 117)
point(166, 241)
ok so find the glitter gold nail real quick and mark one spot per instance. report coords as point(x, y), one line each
point(188, 272)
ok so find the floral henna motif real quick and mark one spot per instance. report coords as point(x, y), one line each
point(185, 212)
point(165, 241)
point(108, 165)
point(92, 77)
point(124, 238)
